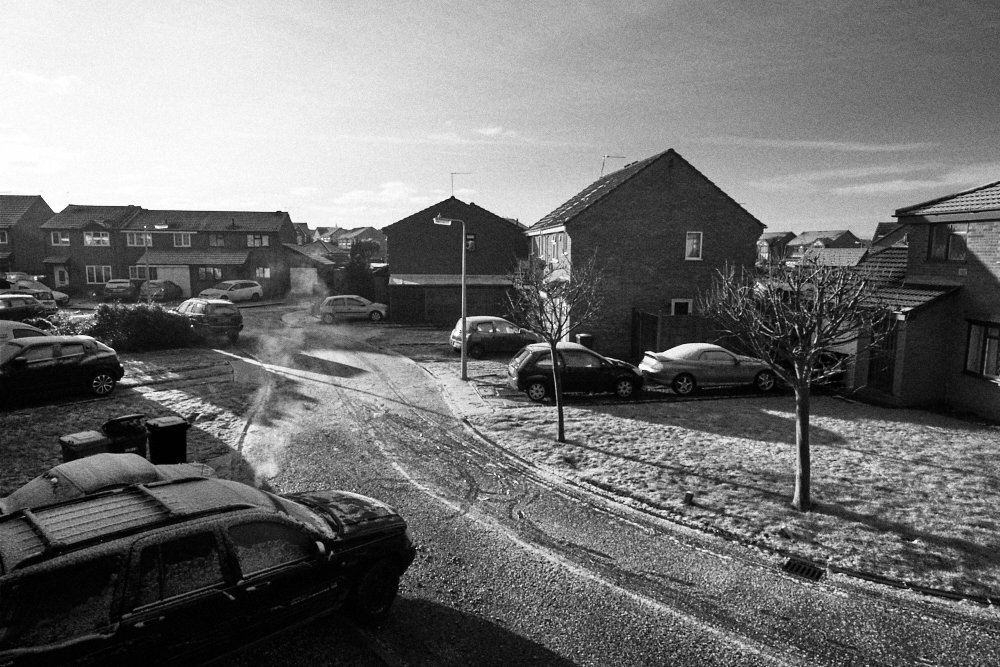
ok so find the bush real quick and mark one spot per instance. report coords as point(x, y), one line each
point(132, 328)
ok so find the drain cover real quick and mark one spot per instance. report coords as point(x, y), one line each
point(804, 569)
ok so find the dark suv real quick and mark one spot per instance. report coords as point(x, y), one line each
point(183, 571)
point(212, 318)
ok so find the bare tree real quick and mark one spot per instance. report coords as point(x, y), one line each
point(791, 319)
point(554, 301)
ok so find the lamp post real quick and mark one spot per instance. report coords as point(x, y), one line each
point(440, 220)
point(147, 240)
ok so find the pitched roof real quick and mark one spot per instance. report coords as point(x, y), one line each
point(604, 186)
point(213, 257)
point(903, 298)
point(887, 264)
point(984, 198)
point(455, 208)
point(834, 256)
point(76, 216)
point(211, 221)
point(12, 207)
point(316, 257)
point(808, 238)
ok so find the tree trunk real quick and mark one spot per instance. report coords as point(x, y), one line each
point(557, 390)
point(801, 499)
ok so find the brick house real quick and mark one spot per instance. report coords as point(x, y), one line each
point(425, 263)
point(22, 241)
point(839, 238)
point(659, 230)
point(772, 248)
point(946, 348)
point(84, 246)
point(197, 249)
point(346, 238)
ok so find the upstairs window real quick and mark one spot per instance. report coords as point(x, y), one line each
point(947, 242)
point(139, 239)
point(3, 236)
point(692, 246)
point(97, 238)
point(182, 239)
point(216, 240)
point(258, 241)
point(60, 238)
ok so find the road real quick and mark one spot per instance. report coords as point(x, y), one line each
point(516, 568)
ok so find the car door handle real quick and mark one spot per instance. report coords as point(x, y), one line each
point(258, 587)
point(149, 621)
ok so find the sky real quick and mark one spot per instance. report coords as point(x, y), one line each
point(813, 116)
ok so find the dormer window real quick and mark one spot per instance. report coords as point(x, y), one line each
point(946, 242)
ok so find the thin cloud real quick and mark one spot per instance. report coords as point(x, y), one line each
point(304, 191)
point(815, 181)
point(811, 144)
point(20, 153)
point(56, 85)
point(882, 180)
point(497, 131)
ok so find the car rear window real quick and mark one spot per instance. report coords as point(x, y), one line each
point(520, 357)
point(221, 309)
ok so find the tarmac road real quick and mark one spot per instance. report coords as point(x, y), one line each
point(517, 568)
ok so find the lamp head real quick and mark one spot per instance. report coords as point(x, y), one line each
point(439, 220)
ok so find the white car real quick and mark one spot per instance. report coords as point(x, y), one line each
point(351, 307)
point(234, 290)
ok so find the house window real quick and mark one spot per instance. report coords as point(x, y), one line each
point(258, 241)
point(139, 239)
point(216, 240)
point(3, 236)
point(139, 272)
point(983, 358)
point(692, 245)
point(209, 273)
point(60, 238)
point(681, 306)
point(182, 239)
point(263, 272)
point(947, 242)
point(97, 238)
point(98, 275)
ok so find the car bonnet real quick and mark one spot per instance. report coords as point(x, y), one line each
point(350, 511)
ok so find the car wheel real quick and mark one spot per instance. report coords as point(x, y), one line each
point(371, 598)
point(102, 383)
point(764, 381)
point(626, 388)
point(683, 384)
point(375, 316)
point(476, 351)
point(327, 318)
point(255, 297)
point(537, 391)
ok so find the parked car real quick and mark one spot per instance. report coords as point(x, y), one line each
point(61, 299)
point(351, 307)
point(583, 370)
point(11, 329)
point(486, 334)
point(93, 474)
point(121, 289)
point(184, 571)
point(45, 363)
point(20, 307)
point(43, 296)
point(686, 367)
point(234, 290)
point(212, 318)
point(160, 290)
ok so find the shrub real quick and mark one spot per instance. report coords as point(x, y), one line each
point(132, 328)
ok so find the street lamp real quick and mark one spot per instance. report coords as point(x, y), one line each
point(440, 220)
point(147, 240)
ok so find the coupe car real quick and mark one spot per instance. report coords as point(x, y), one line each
point(692, 365)
point(583, 371)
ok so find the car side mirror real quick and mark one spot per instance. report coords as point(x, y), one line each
point(322, 553)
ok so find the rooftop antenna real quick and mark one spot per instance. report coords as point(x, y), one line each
point(453, 174)
point(604, 159)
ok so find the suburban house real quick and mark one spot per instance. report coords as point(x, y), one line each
point(840, 238)
point(303, 234)
point(346, 238)
point(659, 230)
point(85, 247)
point(326, 234)
point(426, 261)
point(772, 248)
point(22, 241)
point(946, 345)
point(89, 245)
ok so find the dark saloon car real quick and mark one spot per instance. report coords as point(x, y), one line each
point(212, 318)
point(160, 290)
point(20, 307)
point(486, 335)
point(583, 371)
point(45, 363)
point(185, 570)
point(121, 289)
